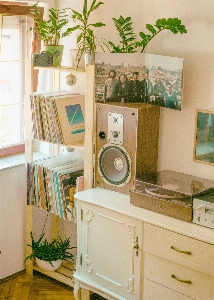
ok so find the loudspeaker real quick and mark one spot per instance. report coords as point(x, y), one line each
point(126, 144)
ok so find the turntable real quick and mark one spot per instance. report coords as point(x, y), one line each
point(170, 193)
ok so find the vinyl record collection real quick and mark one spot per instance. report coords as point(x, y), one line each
point(52, 183)
point(58, 117)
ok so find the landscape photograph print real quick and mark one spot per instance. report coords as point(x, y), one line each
point(139, 78)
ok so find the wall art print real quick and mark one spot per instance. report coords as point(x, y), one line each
point(204, 137)
point(139, 77)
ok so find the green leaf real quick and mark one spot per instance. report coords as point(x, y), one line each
point(151, 28)
point(95, 7)
point(76, 14)
point(70, 30)
point(142, 35)
point(99, 24)
point(85, 9)
point(169, 21)
point(161, 22)
point(182, 29)
point(128, 19)
point(121, 20)
point(174, 30)
point(79, 38)
point(53, 13)
point(176, 22)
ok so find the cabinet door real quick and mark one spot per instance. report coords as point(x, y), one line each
point(108, 250)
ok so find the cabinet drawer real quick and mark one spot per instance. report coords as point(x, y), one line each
point(180, 249)
point(154, 291)
point(178, 278)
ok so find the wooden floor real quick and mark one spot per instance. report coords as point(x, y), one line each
point(37, 287)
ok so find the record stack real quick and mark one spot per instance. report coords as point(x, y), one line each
point(58, 117)
point(52, 183)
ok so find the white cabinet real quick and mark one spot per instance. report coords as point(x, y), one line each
point(175, 258)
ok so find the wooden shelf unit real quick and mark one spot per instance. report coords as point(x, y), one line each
point(63, 274)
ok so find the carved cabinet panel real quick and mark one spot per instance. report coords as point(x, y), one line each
point(110, 250)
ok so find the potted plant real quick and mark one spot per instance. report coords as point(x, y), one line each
point(129, 41)
point(49, 255)
point(86, 40)
point(50, 31)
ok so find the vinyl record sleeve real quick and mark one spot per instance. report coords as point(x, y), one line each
point(71, 115)
point(51, 113)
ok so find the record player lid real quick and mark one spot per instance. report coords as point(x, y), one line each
point(177, 182)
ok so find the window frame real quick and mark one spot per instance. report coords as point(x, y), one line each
point(20, 8)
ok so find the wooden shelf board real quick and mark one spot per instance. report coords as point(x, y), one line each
point(61, 69)
point(62, 274)
point(76, 145)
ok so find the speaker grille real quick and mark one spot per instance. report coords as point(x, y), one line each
point(114, 165)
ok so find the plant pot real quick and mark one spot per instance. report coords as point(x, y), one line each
point(89, 58)
point(74, 62)
point(46, 266)
point(56, 51)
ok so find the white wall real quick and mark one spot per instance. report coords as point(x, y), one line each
point(196, 47)
point(12, 220)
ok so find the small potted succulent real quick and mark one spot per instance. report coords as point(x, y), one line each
point(49, 255)
point(50, 31)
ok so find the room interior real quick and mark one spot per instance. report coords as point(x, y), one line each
point(177, 132)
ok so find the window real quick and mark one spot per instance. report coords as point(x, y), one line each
point(15, 46)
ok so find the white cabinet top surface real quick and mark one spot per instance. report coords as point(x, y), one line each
point(121, 203)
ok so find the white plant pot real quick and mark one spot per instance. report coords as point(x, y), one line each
point(46, 266)
point(74, 61)
point(89, 58)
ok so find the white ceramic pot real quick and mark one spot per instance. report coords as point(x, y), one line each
point(89, 58)
point(74, 59)
point(46, 266)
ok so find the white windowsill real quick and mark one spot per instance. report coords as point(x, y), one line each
point(17, 160)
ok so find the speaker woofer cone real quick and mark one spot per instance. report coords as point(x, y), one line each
point(114, 165)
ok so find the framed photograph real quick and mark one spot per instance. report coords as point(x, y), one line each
point(139, 77)
point(204, 137)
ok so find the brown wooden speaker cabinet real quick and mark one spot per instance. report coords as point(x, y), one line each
point(126, 144)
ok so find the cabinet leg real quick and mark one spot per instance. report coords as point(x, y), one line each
point(77, 291)
point(85, 294)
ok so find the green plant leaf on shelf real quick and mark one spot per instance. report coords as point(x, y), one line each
point(50, 251)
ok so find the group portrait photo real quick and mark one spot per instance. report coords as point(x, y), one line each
point(139, 78)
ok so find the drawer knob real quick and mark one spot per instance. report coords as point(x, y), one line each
point(180, 280)
point(181, 251)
